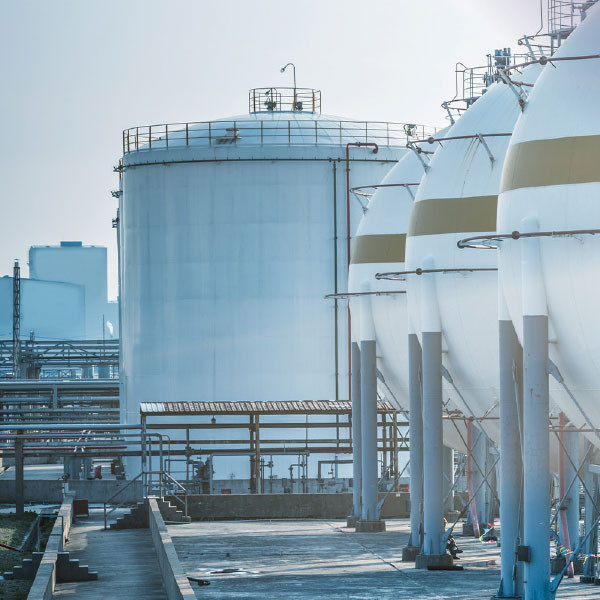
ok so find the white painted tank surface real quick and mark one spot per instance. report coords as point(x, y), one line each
point(232, 232)
point(456, 199)
point(552, 178)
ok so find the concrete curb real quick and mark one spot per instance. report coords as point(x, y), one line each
point(287, 506)
point(45, 578)
point(174, 579)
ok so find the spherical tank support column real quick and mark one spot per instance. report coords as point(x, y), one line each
point(591, 483)
point(433, 550)
point(356, 438)
point(511, 467)
point(536, 406)
point(415, 434)
point(369, 521)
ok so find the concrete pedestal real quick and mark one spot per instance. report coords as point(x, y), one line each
point(467, 529)
point(557, 564)
point(351, 521)
point(370, 526)
point(433, 560)
point(410, 553)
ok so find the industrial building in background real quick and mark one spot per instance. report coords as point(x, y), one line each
point(60, 314)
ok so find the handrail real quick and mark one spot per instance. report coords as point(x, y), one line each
point(114, 496)
point(258, 132)
point(345, 295)
point(486, 240)
point(394, 275)
point(185, 492)
point(544, 60)
point(358, 190)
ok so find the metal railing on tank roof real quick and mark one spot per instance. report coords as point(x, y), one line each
point(276, 132)
point(277, 99)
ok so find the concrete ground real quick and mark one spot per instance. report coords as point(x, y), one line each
point(125, 560)
point(323, 559)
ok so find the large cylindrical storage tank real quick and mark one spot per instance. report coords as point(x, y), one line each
point(457, 199)
point(232, 232)
point(551, 182)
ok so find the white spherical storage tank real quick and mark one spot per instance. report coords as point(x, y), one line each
point(231, 234)
point(379, 247)
point(457, 199)
point(551, 183)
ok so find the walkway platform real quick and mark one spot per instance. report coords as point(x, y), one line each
point(125, 560)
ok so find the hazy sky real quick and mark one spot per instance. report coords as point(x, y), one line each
point(75, 73)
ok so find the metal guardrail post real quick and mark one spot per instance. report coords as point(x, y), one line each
point(119, 491)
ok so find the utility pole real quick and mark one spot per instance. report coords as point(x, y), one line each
point(17, 320)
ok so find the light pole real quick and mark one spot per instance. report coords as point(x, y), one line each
point(295, 99)
point(293, 67)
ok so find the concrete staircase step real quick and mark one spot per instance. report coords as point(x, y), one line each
point(137, 518)
point(69, 570)
point(171, 513)
point(27, 569)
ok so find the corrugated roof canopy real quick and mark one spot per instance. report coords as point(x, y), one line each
point(247, 408)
